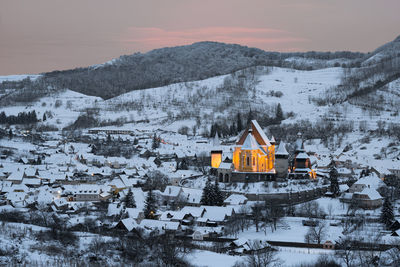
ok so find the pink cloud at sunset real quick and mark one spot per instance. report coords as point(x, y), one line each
point(143, 38)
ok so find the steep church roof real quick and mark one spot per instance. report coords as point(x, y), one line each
point(281, 150)
point(258, 134)
point(250, 143)
point(216, 141)
point(302, 155)
point(260, 131)
point(299, 145)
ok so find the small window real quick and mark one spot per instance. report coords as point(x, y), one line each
point(248, 161)
point(254, 161)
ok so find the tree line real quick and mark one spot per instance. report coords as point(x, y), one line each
point(165, 66)
point(21, 118)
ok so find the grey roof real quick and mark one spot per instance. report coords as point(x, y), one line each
point(250, 143)
point(302, 155)
point(281, 149)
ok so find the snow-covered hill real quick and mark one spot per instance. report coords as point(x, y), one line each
point(206, 101)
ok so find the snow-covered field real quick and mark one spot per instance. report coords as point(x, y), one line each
point(197, 105)
point(18, 77)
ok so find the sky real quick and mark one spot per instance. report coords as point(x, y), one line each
point(45, 35)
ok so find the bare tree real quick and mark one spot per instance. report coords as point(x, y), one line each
point(256, 214)
point(330, 209)
point(315, 234)
point(262, 256)
point(311, 209)
point(370, 255)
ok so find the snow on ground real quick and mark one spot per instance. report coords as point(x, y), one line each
point(164, 106)
point(212, 259)
point(289, 229)
point(69, 106)
point(18, 77)
point(296, 256)
point(287, 256)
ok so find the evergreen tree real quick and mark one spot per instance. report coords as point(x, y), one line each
point(239, 123)
point(10, 134)
point(232, 129)
point(156, 142)
point(333, 175)
point(135, 141)
point(213, 130)
point(250, 117)
point(108, 139)
point(217, 195)
point(279, 113)
point(150, 206)
point(387, 216)
point(44, 117)
point(129, 199)
point(3, 117)
point(206, 196)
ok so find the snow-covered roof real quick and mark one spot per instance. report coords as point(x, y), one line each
point(370, 192)
point(31, 181)
point(44, 196)
point(139, 197)
point(343, 187)
point(19, 187)
point(16, 196)
point(117, 183)
point(16, 176)
point(60, 202)
point(85, 189)
point(216, 214)
point(30, 172)
point(347, 196)
point(191, 195)
point(160, 225)
point(216, 141)
point(225, 165)
point(236, 199)
point(195, 211)
point(281, 150)
point(302, 155)
point(250, 143)
point(371, 180)
point(133, 212)
point(172, 191)
point(261, 132)
point(113, 209)
point(129, 223)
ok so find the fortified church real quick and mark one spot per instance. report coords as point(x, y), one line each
point(254, 159)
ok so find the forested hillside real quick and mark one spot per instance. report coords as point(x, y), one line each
point(175, 64)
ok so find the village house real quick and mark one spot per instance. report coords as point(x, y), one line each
point(182, 217)
point(368, 198)
point(235, 199)
point(364, 192)
point(370, 181)
point(83, 192)
point(215, 216)
point(161, 226)
point(135, 213)
point(171, 194)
